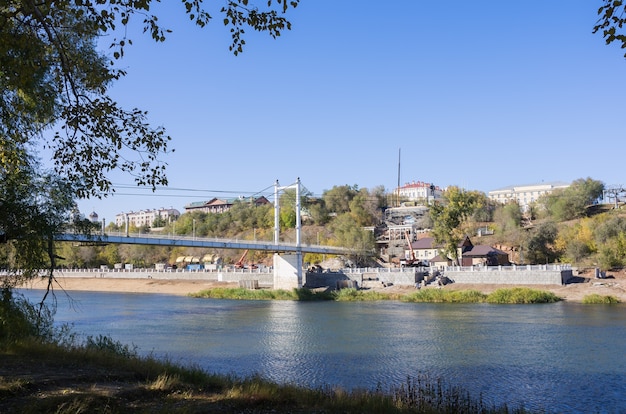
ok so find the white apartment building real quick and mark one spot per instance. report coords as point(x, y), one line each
point(419, 190)
point(146, 217)
point(525, 195)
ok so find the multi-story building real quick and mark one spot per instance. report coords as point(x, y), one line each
point(524, 195)
point(146, 217)
point(217, 205)
point(419, 191)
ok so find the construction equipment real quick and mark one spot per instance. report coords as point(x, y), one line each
point(412, 260)
point(239, 264)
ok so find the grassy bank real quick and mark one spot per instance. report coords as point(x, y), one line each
point(595, 299)
point(512, 295)
point(104, 377)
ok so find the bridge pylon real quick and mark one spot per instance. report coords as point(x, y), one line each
point(279, 276)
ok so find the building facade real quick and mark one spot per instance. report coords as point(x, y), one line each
point(419, 191)
point(217, 205)
point(146, 217)
point(525, 195)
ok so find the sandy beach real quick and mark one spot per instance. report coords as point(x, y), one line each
point(169, 287)
point(614, 285)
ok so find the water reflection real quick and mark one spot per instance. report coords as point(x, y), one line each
point(559, 357)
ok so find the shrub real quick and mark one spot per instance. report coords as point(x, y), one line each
point(445, 296)
point(19, 319)
point(352, 295)
point(104, 344)
point(521, 295)
point(598, 299)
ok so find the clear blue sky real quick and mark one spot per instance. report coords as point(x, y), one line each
point(481, 94)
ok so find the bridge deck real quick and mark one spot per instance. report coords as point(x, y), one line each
point(166, 240)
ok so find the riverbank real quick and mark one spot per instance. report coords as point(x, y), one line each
point(614, 285)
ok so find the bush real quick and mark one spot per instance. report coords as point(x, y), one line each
point(598, 299)
point(105, 344)
point(521, 295)
point(352, 295)
point(445, 296)
point(19, 319)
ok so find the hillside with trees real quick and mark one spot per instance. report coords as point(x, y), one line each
point(565, 226)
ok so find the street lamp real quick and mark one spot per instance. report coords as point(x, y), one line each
point(194, 228)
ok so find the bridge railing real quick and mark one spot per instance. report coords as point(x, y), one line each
point(227, 269)
point(139, 238)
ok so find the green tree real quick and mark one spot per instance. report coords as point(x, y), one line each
point(337, 199)
point(54, 85)
point(365, 208)
point(451, 218)
point(539, 244)
point(611, 22)
point(348, 233)
point(34, 207)
point(572, 202)
point(318, 212)
point(508, 217)
point(53, 76)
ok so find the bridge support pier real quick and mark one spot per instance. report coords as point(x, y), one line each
point(287, 271)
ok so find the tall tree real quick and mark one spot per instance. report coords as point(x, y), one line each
point(349, 234)
point(54, 92)
point(53, 76)
point(612, 21)
point(572, 202)
point(539, 246)
point(508, 217)
point(451, 217)
point(338, 198)
point(34, 207)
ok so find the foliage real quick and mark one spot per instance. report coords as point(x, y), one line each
point(54, 76)
point(451, 218)
point(508, 217)
point(19, 319)
point(485, 211)
point(539, 245)
point(612, 253)
point(34, 207)
point(105, 344)
point(611, 22)
point(572, 202)
point(246, 294)
point(337, 199)
point(577, 242)
point(349, 234)
point(445, 296)
point(521, 295)
point(512, 296)
point(357, 295)
point(106, 381)
point(594, 299)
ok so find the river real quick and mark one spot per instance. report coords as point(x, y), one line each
point(560, 357)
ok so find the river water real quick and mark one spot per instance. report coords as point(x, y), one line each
point(560, 357)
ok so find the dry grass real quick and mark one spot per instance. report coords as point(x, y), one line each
point(36, 378)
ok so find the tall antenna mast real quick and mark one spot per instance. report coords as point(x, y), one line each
point(398, 188)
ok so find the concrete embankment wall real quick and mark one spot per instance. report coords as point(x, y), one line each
point(411, 277)
point(265, 279)
point(517, 277)
point(331, 279)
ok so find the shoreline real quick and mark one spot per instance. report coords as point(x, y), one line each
point(177, 287)
point(572, 292)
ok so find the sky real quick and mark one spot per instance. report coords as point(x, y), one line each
point(481, 95)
